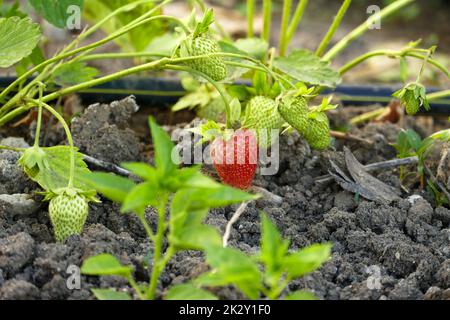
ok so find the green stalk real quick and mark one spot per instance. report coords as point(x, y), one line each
point(219, 27)
point(39, 119)
point(392, 54)
point(214, 83)
point(68, 134)
point(438, 95)
point(136, 288)
point(158, 245)
point(85, 48)
point(267, 16)
point(361, 29)
point(250, 18)
point(296, 18)
point(287, 5)
point(122, 55)
point(334, 26)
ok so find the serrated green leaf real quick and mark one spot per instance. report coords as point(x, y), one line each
point(163, 149)
point(55, 174)
point(142, 170)
point(188, 292)
point(110, 294)
point(73, 73)
point(231, 266)
point(306, 260)
point(18, 38)
point(56, 11)
point(111, 186)
point(105, 265)
point(135, 40)
point(234, 72)
point(305, 66)
point(254, 47)
point(300, 295)
point(273, 249)
point(195, 237)
point(140, 197)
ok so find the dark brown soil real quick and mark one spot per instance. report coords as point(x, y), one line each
point(395, 251)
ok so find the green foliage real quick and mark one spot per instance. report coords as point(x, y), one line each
point(56, 11)
point(232, 267)
point(191, 196)
point(49, 167)
point(68, 74)
point(305, 66)
point(188, 292)
point(18, 38)
point(135, 40)
point(109, 294)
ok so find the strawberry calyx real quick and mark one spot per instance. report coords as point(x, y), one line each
point(89, 196)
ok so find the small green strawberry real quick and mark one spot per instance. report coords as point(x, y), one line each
point(68, 210)
point(318, 130)
point(213, 66)
point(263, 116)
point(295, 112)
point(412, 97)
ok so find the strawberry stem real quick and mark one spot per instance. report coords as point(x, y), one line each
point(334, 26)
point(68, 134)
point(250, 18)
point(287, 5)
point(267, 19)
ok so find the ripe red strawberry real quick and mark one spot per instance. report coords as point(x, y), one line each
point(235, 159)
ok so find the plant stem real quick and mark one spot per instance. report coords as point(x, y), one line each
point(334, 26)
point(122, 55)
point(287, 5)
point(250, 18)
point(12, 149)
point(361, 29)
point(438, 95)
point(68, 134)
point(39, 119)
point(158, 244)
point(94, 45)
point(296, 18)
point(146, 226)
point(214, 83)
point(267, 16)
point(392, 54)
point(136, 288)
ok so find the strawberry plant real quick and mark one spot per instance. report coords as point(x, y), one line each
point(264, 274)
point(409, 143)
point(284, 83)
point(187, 194)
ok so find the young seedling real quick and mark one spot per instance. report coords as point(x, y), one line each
point(189, 195)
point(265, 274)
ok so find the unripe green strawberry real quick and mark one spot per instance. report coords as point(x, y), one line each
point(263, 116)
point(295, 112)
point(214, 66)
point(411, 103)
point(318, 132)
point(68, 213)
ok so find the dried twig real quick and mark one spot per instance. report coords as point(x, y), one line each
point(350, 137)
point(108, 166)
point(267, 194)
point(376, 166)
point(232, 221)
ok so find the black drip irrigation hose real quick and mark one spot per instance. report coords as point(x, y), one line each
point(166, 91)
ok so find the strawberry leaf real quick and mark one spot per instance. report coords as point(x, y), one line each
point(105, 265)
point(305, 66)
point(73, 73)
point(110, 294)
point(307, 260)
point(18, 38)
point(188, 292)
point(56, 11)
